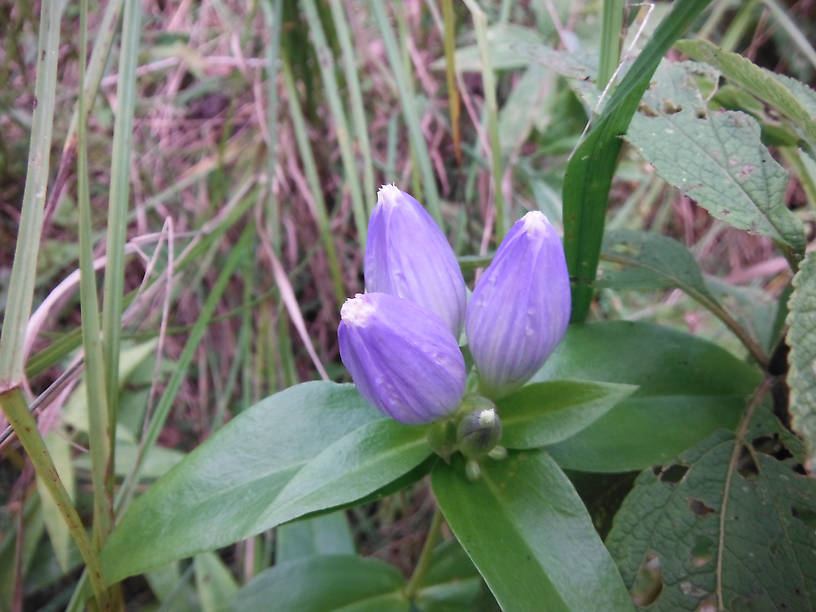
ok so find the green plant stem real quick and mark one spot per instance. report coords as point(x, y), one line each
point(16, 410)
point(117, 216)
point(492, 111)
point(409, 111)
point(612, 24)
point(24, 269)
point(272, 20)
point(425, 556)
point(98, 425)
point(718, 311)
point(449, 18)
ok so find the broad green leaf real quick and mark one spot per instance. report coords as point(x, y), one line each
point(528, 533)
point(650, 260)
point(326, 582)
point(590, 170)
point(763, 83)
point(360, 462)
point(687, 388)
point(715, 158)
point(227, 489)
point(214, 582)
point(802, 356)
point(667, 537)
point(60, 450)
point(451, 582)
point(548, 412)
point(328, 534)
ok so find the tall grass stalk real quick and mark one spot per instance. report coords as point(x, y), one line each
point(24, 268)
point(273, 13)
point(358, 117)
point(98, 424)
point(312, 177)
point(409, 111)
point(332, 91)
point(492, 111)
point(117, 215)
point(450, 76)
point(611, 26)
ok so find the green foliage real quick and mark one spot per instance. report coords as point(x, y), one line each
point(529, 535)
point(687, 388)
point(327, 534)
point(802, 356)
point(722, 529)
point(716, 158)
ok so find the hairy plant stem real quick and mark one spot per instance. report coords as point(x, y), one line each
point(16, 410)
point(425, 556)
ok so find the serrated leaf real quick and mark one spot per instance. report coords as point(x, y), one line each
point(227, 489)
point(762, 83)
point(528, 533)
point(802, 356)
point(688, 388)
point(650, 261)
point(716, 158)
point(328, 534)
point(548, 412)
point(669, 525)
point(326, 582)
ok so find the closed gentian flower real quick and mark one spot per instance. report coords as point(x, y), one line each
point(407, 255)
point(403, 358)
point(520, 308)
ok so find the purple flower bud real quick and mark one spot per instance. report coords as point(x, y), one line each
point(520, 308)
point(403, 359)
point(407, 255)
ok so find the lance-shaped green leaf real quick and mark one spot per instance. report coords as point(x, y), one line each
point(716, 158)
point(528, 533)
point(326, 582)
point(327, 534)
point(802, 356)
point(762, 83)
point(221, 492)
point(687, 389)
point(720, 529)
point(451, 582)
point(545, 413)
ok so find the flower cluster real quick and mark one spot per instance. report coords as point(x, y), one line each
point(399, 340)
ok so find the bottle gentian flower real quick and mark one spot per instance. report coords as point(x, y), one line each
point(403, 358)
point(407, 255)
point(520, 308)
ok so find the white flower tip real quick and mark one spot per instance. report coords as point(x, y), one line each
point(357, 310)
point(535, 222)
point(487, 417)
point(389, 195)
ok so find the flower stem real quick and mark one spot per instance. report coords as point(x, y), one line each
point(425, 556)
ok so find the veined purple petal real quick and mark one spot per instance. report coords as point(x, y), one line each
point(520, 308)
point(407, 255)
point(403, 359)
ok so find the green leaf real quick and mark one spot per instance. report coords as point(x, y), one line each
point(60, 450)
point(802, 356)
point(590, 170)
point(157, 462)
point(545, 413)
point(650, 261)
point(528, 533)
point(360, 462)
point(720, 528)
point(326, 582)
point(451, 583)
point(214, 582)
point(328, 534)
point(717, 158)
point(762, 83)
point(687, 388)
point(255, 471)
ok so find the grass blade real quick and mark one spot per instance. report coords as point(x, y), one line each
point(589, 173)
point(24, 268)
point(610, 40)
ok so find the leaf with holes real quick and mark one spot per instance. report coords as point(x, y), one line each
point(708, 532)
point(802, 356)
point(715, 158)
